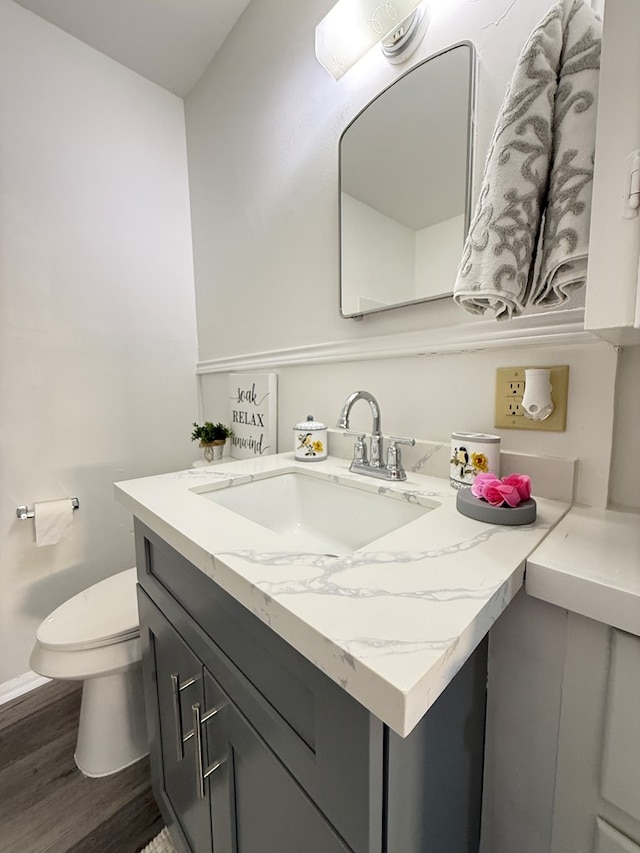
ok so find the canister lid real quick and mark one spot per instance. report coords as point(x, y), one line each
point(309, 425)
point(476, 436)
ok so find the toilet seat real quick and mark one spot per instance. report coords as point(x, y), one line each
point(79, 664)
point(102, 615)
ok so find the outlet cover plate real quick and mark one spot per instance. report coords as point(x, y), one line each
point(509, 391)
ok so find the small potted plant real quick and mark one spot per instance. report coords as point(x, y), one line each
point(212, 438)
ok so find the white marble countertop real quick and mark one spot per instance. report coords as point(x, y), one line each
point(590, 564)
point(393, 622)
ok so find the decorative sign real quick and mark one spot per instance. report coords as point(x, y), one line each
point(253, 414)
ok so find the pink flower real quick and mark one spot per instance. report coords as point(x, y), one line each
point(498, 493)
point(480, 482)
point(522, 484)
point(511, 490)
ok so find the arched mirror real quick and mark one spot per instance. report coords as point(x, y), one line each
point(405, 186)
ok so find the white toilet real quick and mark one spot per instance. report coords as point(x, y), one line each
point(95, 636)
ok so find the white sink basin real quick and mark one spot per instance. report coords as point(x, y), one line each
point(315, 514)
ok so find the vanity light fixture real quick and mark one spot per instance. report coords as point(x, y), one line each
point(353, 27)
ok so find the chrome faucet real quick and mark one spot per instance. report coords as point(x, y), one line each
point(372, 465)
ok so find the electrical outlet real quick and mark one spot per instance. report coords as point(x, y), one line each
point(510, 382)
point(513, 407)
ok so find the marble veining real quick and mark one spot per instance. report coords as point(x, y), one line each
point(426, 457)
point(324, 585)
point(410, 497)
point(392, 622)
point(194, 475)
point(368, 647)
point(333, 563)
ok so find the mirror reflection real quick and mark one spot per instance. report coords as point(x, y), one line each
point(405, 164)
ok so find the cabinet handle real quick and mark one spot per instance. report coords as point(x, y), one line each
point(198, 721)
point(176, 687)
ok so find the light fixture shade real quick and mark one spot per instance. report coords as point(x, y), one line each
point(353, 27)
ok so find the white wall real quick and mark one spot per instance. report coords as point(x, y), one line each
point(378, 257)
point(438, 249)
point(97, 320)
point(383, 261)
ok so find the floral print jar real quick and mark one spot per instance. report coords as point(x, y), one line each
point(473, 453)
point(310, 440)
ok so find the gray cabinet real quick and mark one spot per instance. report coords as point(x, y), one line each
point(225, 788)
point(174, 679)
point(254, 750)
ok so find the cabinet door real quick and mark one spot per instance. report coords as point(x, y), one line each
point(613, 292)
point(598, 764)
point(620, 784)
point(609, 840)
point(176, 675)
point(256, 804)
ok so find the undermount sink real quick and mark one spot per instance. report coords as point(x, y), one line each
point(316, 514)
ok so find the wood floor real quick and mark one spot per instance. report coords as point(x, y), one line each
point(46, 804)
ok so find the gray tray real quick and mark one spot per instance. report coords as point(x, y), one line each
point(476, 508)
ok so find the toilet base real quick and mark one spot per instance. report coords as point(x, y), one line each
point(112, 733)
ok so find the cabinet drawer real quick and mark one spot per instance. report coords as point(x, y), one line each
point(326, 740)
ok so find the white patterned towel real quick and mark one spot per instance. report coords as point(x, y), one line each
point(538, 175)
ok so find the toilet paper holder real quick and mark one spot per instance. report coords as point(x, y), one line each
point(23, 512)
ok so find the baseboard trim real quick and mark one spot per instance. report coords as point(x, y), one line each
point(20, 685)
point(560, 328)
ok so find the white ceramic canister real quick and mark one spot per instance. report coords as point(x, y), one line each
point(473, 453)
point(310, 440)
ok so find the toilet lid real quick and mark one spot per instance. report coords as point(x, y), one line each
point(101, 615)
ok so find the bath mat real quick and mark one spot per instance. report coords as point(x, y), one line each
point(160, 844)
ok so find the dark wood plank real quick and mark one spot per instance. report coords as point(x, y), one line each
point(34, 701)
point(29, 779)
point(73, 809)
point(128, 831)
point(46, 804)
point(35, 725)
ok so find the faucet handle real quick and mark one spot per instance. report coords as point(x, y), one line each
point(360, 450)
point(394, 458)
point(394, 467)
point(394, 440)
point(354, 433)
point(359, 447)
